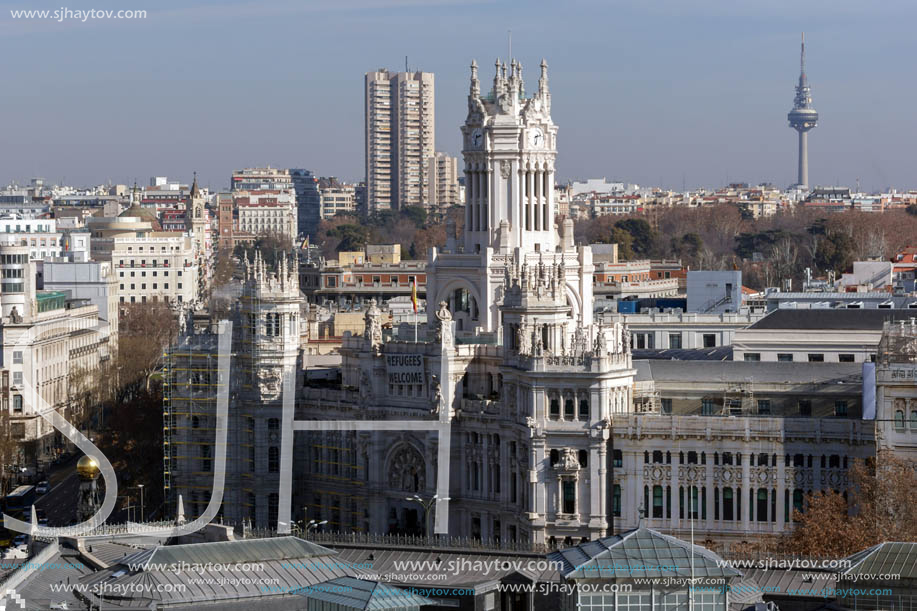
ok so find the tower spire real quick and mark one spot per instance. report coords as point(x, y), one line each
point(802, 62)
point(475, 83)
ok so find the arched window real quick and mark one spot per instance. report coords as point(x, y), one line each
point(618, 458)
point(568, 409)
point(761, 509)
point(797, 500)
point(206, 463)
point(646, 457)
point(834, 461)
point(799, 460)
point(273, 459)
point(899, 419)
point(727, 458)
point(583, 409)
point(762, 460)
point(728, 504)
point(657, 501)
point(583, 457)
point(914, 419)
point(657, 456)
point(555, 409)
point(555, 456)
point(273, 502)
point(692, 458)
point(668, 458)
point(195, 422)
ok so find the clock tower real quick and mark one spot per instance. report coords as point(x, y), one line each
point(509, 150)
point(509, 146)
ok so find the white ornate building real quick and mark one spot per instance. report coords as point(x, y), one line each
point(528, 414)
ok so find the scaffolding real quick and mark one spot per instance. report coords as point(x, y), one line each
point(190, 381)
point(739, 398)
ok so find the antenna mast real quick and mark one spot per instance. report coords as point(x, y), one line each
point(802, 55)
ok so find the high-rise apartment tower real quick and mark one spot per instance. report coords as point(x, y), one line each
point(400, 138)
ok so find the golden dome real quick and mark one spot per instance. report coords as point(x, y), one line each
point(87, 467)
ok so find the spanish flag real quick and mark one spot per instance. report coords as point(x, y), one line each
point(414, 295)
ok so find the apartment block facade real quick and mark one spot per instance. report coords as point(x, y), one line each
point(400, 138)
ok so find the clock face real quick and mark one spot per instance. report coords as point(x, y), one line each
point(477, 138)
point(536, 138)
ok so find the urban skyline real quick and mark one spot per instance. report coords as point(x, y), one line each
point(647, 104)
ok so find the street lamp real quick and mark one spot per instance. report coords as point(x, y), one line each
point(313, 524)
point(427, 506)
point(141, 501)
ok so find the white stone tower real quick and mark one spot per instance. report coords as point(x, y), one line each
point(510, 146)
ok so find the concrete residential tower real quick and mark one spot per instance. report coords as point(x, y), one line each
point(400, 138)
point(803, 117)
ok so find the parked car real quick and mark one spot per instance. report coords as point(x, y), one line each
point(42, 487)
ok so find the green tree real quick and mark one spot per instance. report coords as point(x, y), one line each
point(836, 252)
point(353, 237)
point(643, 236)
point(415, 214)
point(625, 243)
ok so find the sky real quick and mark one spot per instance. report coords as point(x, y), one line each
point(655, 92)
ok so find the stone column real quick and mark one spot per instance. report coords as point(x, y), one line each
point(746, 486)
point(781, 493)
point(536, 213)
point(528, 200)
point(549, 200)
point(676, 501)
point(485, 197)
point(708, 480)
point(468, 214)
point(479, 190)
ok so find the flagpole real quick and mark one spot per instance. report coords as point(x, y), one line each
point(414, 306)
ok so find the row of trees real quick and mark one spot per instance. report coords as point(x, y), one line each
point(767, 250)
point(410, 227)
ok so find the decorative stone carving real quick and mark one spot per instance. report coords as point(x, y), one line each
point(437, 399)
point(506, 169)
point(406, 470)
point(444, 324)
point(568, 461)
point(373, 326)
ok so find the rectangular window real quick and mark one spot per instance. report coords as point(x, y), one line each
point(764, 407)
point(709, 340)
point(675, 341)
point(816, 358)
point(569, 494)
point(752, 357)
point(840, 408)
point(805, 407)
point(784, 358)
point(17, 378)
point(17, 403)
point(845, 358)
point(666, 406)
point(706, 407)
point(17, 357)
